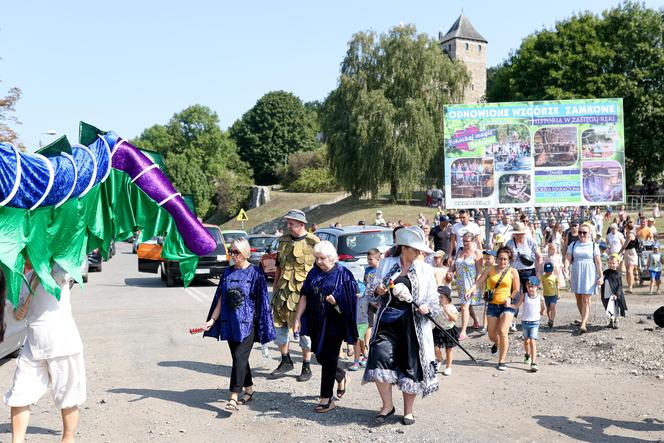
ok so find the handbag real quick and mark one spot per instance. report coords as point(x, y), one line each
point(526, 261)
point(488, 294)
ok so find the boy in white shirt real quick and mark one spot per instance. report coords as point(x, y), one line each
point(532, 308)
point(51, 358)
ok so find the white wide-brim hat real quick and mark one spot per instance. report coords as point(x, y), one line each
point(413, 237)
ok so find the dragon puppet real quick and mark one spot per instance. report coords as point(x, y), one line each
point(65, 200)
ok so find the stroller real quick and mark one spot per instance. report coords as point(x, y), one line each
point(645, 249)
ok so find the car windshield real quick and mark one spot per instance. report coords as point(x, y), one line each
point(228, 236)
point(260, 242)
point(215, 233)
point(360, 243)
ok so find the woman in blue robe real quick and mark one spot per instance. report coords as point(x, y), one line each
point(327, 312)
point(241, 314)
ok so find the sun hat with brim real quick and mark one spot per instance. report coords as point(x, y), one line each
point(379, 212)
point(518, 228)
point(413, 237)
point(297, 215)
point(439, 254)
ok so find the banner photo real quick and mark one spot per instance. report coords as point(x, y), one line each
point(548, 153)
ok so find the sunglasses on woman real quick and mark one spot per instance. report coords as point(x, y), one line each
point(234, 252)
point(583, 232)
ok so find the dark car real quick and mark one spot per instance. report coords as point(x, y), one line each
point(211, 265)
point(259, 245)
point(94, 260)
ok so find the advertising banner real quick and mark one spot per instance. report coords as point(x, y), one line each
point(548, 153)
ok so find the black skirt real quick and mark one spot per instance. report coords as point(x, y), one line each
point(395, 346)
point(442, 340)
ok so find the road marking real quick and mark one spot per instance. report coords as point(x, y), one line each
point(198, 295)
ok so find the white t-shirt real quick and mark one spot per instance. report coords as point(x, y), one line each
point(505, 231)
point(443, 320)
point(459, 229)
point(52, 331)
point(615, 241)
point(531, 308)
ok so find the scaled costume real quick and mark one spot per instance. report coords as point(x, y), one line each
point(296, 259)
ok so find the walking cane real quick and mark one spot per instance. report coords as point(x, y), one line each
point(430, 317)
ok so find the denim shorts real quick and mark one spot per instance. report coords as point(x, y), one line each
point(530, 329)
point(548, 299)
point(283, 336)
point(494, 310)
point(655, 275)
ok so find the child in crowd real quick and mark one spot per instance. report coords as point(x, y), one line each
point(439, 268)
point(612, 290)
point(446, 319)
point(532, 306)
point(553, 256)
point(366, 313)
point(551, 292)
point(655, 268)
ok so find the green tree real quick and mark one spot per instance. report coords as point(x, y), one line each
point(7, 108)
point(383, 124)
point(278, 125)
point(200, 159)
point(619, 53)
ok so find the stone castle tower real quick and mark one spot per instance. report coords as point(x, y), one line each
point(462, 42)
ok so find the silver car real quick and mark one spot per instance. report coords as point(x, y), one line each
point(14, 334)
point(353, 243)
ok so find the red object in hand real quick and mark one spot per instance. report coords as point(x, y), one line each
point(193, 331)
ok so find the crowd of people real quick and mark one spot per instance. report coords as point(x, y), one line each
point(402, 323)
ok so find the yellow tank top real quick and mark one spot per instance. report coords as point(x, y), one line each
point(504, 291)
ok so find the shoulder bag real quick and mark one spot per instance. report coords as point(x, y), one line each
point(488, 294)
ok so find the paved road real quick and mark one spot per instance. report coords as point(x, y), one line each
point(149, 380)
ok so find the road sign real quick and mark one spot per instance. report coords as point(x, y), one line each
point(242, 216)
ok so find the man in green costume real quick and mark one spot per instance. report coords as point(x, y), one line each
point(295, 258)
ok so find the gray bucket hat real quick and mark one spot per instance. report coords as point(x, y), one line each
point(297, 215)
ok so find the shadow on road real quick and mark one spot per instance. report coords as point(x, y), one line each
point(6, 428)
point(145, 282)
point(592, 429)
point(277, 405)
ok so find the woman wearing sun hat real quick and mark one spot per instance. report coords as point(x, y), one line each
point(405, 289)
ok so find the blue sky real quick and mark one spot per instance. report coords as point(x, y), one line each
point(126, 65)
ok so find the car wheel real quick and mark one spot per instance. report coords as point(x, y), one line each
point(15, 353)
point(162, 274)
point(170, 280)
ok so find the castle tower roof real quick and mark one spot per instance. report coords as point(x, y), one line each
point(462, 28)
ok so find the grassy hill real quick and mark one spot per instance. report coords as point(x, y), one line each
point(346, 211)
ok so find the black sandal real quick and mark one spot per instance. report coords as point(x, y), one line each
point(382, 418)
point(342, 392)
point(325, 407)
point(246, 398)
point(232, 406)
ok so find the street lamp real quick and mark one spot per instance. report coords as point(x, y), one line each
point(49, 132)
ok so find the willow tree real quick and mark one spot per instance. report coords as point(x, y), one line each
point(384, 122)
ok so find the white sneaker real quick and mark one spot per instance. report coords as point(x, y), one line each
point(447, 371)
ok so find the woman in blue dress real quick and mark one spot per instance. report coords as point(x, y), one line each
point(241, 314)
point(327, 313)
point(584, 257)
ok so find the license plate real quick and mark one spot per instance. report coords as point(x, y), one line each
point(202, 271)
point(221, 258)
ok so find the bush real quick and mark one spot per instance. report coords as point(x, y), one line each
point(314, 180)
point(300, 161)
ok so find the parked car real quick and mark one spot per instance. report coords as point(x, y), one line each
point(85, 267)
point(229, 235)
point(94, 260)
point(268, 262)
point(15, 333)
point(353, 243)
point(259, 245)
point(211, 265)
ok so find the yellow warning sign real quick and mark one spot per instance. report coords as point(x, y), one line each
point(242, 216)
